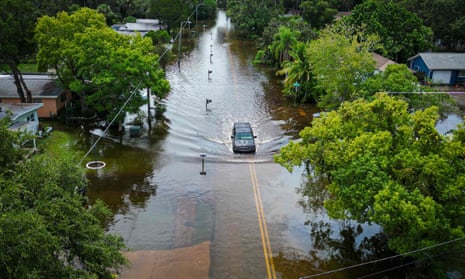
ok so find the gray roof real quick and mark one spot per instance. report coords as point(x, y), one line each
point(18, 109)
point(382, 62)
point(41, 86)
point(443, 60)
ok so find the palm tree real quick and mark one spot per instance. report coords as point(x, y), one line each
point(298, 70)
point(282, 43)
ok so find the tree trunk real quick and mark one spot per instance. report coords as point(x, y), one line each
point(83, 103)
point(25, 88)
point(17, 76)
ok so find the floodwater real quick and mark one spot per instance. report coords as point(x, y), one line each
point(246, 217)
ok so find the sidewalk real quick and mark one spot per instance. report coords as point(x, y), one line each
point(190, 262)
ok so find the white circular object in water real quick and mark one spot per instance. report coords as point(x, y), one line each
point(95, 165)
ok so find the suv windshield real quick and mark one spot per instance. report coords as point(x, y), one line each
point(244, 136)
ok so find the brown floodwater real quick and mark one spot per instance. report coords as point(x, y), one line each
point(247, 217)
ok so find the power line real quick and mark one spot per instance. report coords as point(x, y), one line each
point(383, 259)
point(423, 92)
point(397, 267)
point(111, 122)
point(135, 90)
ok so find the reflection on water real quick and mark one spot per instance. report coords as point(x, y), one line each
point(159, 200)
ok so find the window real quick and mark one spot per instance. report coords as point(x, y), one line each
point(243, 136)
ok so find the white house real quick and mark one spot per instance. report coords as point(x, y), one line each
point(142, 26)
point(24, 117)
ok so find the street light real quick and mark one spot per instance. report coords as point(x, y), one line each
point(179, 42)
point(149, 117)
point(196, 12)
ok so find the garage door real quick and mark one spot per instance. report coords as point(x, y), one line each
point(441, 77)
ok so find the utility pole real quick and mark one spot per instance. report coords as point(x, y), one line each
point(149, 117)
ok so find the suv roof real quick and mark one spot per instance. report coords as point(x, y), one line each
point(242, 126)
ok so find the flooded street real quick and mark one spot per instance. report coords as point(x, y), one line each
point(247, 217)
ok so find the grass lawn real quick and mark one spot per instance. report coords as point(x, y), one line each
point(28, 68)
point(57, 144)
point(23, 67)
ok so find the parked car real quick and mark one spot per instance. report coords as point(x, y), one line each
point(243, 139)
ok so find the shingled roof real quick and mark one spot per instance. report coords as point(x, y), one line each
point(442, 60)
point(41, 86)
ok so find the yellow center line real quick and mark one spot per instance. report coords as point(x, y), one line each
point(268, 254)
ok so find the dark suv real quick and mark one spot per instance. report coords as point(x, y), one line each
point(243, 139)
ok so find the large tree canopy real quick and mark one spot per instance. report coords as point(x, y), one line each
point(55, 36)
point(104, 67)
point(388, 166)
point(445, 18)
point(318, 13)
point(45, 229)
point(250, 17)
point(402, 32)
point(17, 19)
point(170, 12)
point(398, 79)
point(341, 63)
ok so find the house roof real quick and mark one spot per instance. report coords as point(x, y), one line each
point(41, 86)
point(382, 62)
point(442, 60)
point(17, 109)
point(142, 26)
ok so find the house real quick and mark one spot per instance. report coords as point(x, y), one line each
point(141, 26)
point(441, 68)
point(24, 116)
point(44, 89)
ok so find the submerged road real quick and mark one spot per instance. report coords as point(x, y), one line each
point(244, 218)
point(219, 220)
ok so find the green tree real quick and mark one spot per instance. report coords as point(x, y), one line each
point(45, 230)
point(388, 166)
point(171, 13)
point(114, 67)
point(110, 16)
point(445, 18)
point(135, 8)
point(294, 23)
point(395, 78)
point(318, 13)
point(8, 155)
point(160, 39)
point(298, 70)
point(206, 9)
point(17, 19)
point(55, 35)
point(345, 5)
point(341, 63)
point(104, 67)
point(401, 32)
point(283, 41)
point(399, 80)
point(250, 17)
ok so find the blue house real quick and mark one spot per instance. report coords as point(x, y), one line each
point(441, 68)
